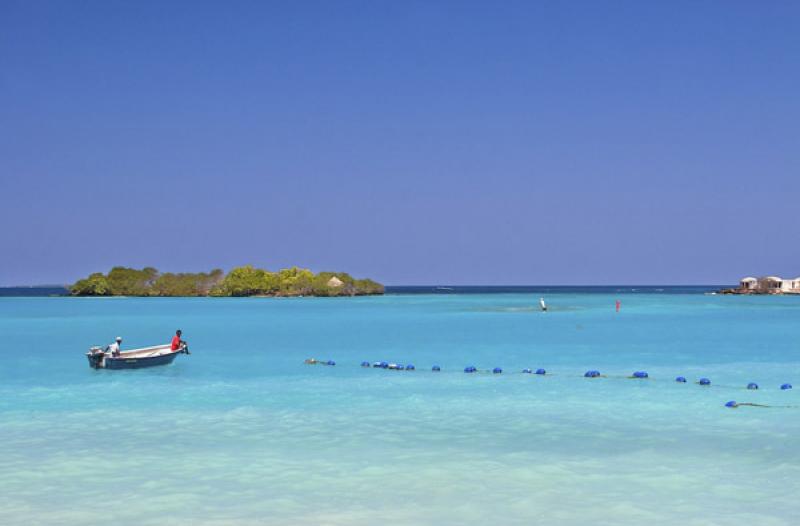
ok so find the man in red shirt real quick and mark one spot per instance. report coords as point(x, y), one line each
point(177, 343)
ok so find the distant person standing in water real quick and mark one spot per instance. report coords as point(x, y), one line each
point(177, 343)
point(542, 304)
point(619, 304)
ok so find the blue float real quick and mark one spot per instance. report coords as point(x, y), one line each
point(330, 362)
point(469, 369)
point(384, 365)
point(527, 371)
point(732, 403)
point(591, 374)
point(784, 387)
point(364, 364)
point(752, 385)
point(410, 367)
point(704, 381)
point(640, 374)
point(541, 371)
point(497, 370)
point(681, 379)
point(436, 368)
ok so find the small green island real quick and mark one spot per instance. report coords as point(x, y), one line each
point(239, 282)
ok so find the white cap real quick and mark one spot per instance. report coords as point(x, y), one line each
point(119, 338)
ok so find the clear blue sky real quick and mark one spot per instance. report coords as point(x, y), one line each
point(412, 142)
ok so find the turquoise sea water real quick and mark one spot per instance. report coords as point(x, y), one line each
point(242, 432)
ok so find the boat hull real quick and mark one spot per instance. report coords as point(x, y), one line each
point(138, 363)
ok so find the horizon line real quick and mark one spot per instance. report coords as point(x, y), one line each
point(66, 286)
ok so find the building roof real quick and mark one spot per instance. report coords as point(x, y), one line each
point(749, 278)
point(772, 278)
point(335, 282)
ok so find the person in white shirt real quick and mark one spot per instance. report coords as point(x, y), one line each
point(114, 347)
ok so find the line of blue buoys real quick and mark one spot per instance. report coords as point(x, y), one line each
point(592, 373)
point(394, 366)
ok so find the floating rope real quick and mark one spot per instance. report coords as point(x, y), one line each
point(733, 404)
point(314, 361)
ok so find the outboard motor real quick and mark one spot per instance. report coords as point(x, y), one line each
point(96, 356)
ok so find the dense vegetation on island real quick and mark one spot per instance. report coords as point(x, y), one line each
point(241, 281)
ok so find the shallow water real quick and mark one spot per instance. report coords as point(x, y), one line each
point(243, 432)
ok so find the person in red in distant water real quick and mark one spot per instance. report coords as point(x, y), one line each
point(619, 304)
point(178, 344)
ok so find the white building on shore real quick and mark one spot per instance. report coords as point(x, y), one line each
point(769, 285)
point(791, 285)
point(748, 283)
